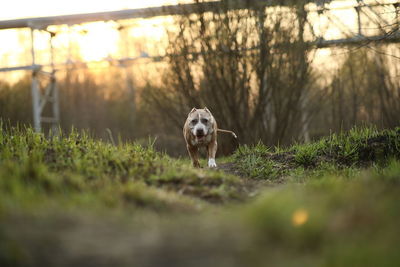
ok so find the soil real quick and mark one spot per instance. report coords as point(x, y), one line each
point(251, 187)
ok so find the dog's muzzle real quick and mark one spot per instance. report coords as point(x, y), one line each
point(200, 133)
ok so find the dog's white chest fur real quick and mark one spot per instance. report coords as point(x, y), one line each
point(201, 142)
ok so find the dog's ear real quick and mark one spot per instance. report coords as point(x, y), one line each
point(209, 112)
point(193, 110)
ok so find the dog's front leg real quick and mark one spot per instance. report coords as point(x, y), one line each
point(193, 155)
point(212, 150)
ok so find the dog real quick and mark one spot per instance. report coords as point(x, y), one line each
point(200, 130)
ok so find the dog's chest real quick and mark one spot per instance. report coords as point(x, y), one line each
point(201, 142)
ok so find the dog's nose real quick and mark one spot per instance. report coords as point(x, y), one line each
point(200, 132)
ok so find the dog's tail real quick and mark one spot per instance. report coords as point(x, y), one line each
point(227, 131)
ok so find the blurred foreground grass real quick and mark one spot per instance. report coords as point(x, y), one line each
point(76, 201)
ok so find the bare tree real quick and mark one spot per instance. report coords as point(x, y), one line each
point(250, 67)
point(365, 90)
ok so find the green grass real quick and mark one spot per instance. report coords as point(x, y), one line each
point(254, 162)
point(73, 200)
point(360, 147)
point(345, 222)
point(78, 166)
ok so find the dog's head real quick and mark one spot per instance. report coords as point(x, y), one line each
point(200, 122)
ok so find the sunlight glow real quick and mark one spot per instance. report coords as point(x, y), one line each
point(92, 41)
point(98, 40)
point(101, 40)
point(299, 217)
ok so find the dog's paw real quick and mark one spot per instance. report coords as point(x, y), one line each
point(211, 163)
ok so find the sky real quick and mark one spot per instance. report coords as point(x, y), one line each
point(35, 8)
point(100, 39)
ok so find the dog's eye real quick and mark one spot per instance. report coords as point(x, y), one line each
point(204, 121)
point(194, 121)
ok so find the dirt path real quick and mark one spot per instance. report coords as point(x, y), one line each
point(251, 187)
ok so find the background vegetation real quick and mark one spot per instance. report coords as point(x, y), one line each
point(251, 68)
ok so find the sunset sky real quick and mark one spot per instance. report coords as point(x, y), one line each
point(100, 39)
point(28, 8)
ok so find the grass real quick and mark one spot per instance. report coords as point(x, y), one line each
point(73, 200)
point(331, 221)
point(127, 175)
point(254, 162)
point(360, 148)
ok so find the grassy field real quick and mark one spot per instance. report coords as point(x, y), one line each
point(76, 201)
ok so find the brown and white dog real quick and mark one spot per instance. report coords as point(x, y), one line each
point(200, 130)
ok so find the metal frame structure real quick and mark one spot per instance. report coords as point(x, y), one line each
point(50, 95)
